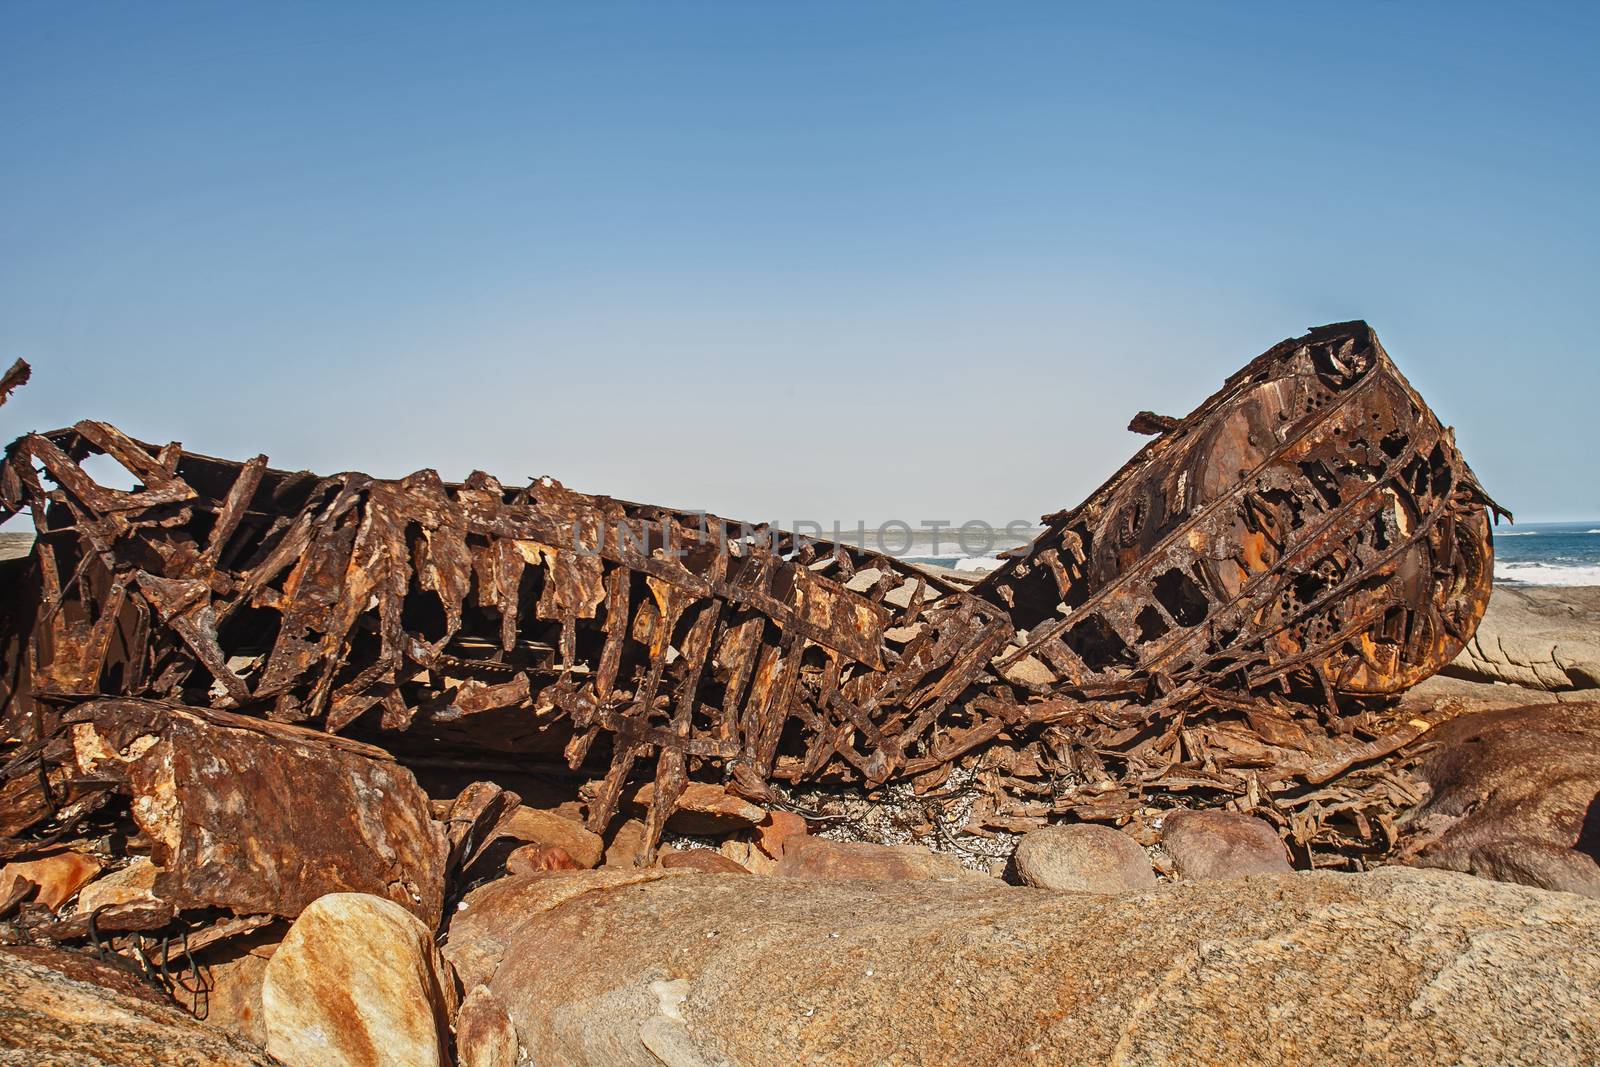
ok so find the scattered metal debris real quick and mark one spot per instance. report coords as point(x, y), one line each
point(536, 620)
point(1213, 626)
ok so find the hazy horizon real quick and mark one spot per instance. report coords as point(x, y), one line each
point(835, 262)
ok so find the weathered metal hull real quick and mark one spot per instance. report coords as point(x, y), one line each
point(1311, 523)
point(1309, 533)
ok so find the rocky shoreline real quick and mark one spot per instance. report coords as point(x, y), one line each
point(427, 914)
point(869, 955)
point(753, 940)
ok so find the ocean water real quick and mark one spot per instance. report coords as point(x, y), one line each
point(1528, 553)
point(1547, 553)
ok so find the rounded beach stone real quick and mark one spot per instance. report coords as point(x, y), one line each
point(1208, 845)
point(531, 858)
point(699, 859)
point(357, 982)
point(819, 860)
point(1083, 858)
point(484, 1037)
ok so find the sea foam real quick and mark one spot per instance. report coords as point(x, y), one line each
point(1546, 574)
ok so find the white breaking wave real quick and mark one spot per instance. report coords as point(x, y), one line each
point(1521, 533)
point(1591, 531)
point(1518, 573)
point(1546, 574)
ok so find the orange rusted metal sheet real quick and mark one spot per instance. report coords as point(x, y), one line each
point(261, 817)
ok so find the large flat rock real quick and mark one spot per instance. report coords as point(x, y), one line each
point(50, 1017)
point(1395, 966)
point(1515, 796)
point(1536, 638)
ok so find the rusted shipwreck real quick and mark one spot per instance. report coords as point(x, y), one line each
point(1218, 624)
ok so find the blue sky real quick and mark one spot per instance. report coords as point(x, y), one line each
point(856, 261)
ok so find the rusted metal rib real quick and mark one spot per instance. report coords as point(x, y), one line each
point(478, 615)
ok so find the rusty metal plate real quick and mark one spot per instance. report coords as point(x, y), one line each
point(261, 818)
